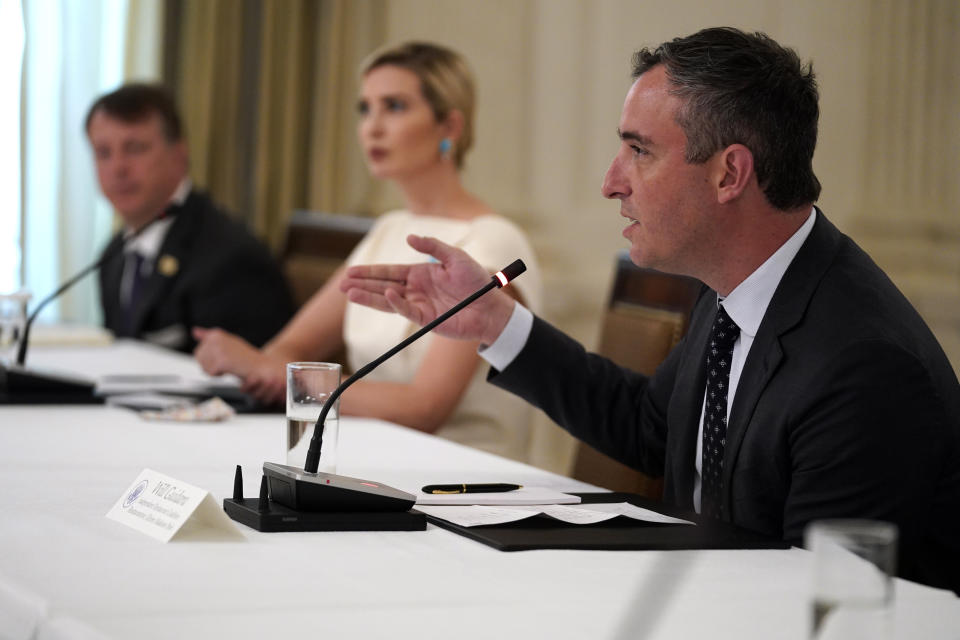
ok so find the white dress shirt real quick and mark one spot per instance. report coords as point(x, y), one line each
point(746, 305)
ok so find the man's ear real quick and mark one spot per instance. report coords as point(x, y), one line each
point(734, 172)
point(183, 153)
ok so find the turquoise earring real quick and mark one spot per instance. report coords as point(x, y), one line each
point(445, 146)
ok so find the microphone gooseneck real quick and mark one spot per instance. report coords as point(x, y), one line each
point(498, 280)
point(106, 257)
point(22, 349)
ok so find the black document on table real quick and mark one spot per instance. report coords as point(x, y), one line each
point(617, 534)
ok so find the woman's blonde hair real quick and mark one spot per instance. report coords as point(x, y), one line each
point(445, 81)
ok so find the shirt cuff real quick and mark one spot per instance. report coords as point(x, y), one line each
point(511, 340)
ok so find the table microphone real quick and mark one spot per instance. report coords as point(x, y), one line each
point(308, 490)
point(104, 259)
point(18, 384)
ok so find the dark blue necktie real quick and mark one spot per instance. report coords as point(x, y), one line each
point(719, 355)
point(135, 264)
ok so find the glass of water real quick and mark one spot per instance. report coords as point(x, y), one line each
point(309, 384)
point(853, 566)
point(13, 319)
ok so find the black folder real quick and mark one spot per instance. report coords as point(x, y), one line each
point(617, 534)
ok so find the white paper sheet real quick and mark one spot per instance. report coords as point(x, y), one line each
point(114, 384)
point(633, 511)
point(477, 515)
point(576, 515)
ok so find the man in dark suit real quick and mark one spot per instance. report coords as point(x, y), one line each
point(807, 386)
point(186, 263)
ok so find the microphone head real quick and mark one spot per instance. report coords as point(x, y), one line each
point(509, 272)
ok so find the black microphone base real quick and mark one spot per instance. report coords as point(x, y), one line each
point(300, 490)
point(301, 501)
point(20, 385)
point(277, 517)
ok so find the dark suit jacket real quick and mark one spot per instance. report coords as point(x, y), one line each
point(846, 407)
point(210, 272)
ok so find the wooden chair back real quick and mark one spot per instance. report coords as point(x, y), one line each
point(316, 244)
point(647, 314)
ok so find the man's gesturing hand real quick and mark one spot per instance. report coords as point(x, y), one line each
point(421, 292)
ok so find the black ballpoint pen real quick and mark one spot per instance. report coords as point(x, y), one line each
point(492, 487)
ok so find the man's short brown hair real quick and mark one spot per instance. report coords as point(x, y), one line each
point(136, 102)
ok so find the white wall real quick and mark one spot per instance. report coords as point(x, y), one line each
point(552, 75)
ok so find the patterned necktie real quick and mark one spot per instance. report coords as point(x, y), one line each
point(719, 355)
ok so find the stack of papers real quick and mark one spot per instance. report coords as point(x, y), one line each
point(478, 515)
point(116, 384)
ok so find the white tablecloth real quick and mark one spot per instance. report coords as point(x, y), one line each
point(66, 571)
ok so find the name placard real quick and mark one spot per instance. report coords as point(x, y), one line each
point(163, 507)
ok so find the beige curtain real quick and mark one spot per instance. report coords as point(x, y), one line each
point(266, 88)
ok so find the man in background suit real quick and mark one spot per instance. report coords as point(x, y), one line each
point(192, 265)
point(807, 386)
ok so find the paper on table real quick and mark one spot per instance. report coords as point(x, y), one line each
point(477, 515)
point(576, 515)
point(114, 384)
point(522, 496)
point(633, 511)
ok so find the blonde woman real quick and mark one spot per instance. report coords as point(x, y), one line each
point(416, 109)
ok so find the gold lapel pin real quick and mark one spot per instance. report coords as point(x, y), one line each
point(168, 265)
